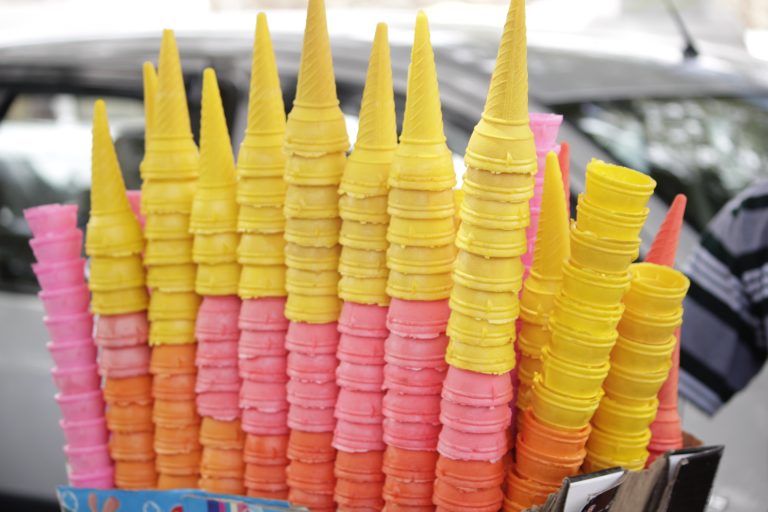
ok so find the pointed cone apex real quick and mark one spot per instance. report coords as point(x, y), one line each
point(664, 247)
point(107, 188)
point(508, 93)
point(171, 118)
point(316, 124)
point(266, 111)
point(552, 245)
point(317, 84)
point(502, 141)
point(378, 126)
point(423, 119)
point(150, 91)
point(217, 165)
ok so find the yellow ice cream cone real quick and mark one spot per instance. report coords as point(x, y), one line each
point(312, 309)
point(171, 332)
point(491, 186)
point(167, 196)
point(368, 165)
point(218, 279)
point(261, 249)
point(419, 286)
point(316, 124)
point(421, 232)
point(311, 202)
point(265, 219)
point(422, 160)
point(418, 204)
point(502, 141)
point(361, 263)
point(261, 152)
point(421, 260)
point(214, 209)
point(490, 360)
point(172, 277)
point(309, 282)
point(359, 235)
point(112, 230)
point(173, 305)
point(166, 226)
point(118, 273)
point(119, 302)
point(262, 281)
point(366, 290)
point(170, 151)
point(488, 242)
point(168, 252)
point(313, 232)
point(309, 258)
point(364, 209)
point(315, 170)
point(261, 192)
point(552, 247)
point(215, 248)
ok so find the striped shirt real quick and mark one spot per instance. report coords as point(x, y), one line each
point(726, 311)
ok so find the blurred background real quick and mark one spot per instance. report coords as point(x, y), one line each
point(677, 89)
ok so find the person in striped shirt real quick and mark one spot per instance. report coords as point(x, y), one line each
point(726, 312)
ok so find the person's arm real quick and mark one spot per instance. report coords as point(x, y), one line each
point(723, 340)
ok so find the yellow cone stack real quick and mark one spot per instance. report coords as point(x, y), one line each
point(501, 163)
point(539, 291)
point(363, 201)
point(114, 243)
point(169, 171)
point(316, 142)
point(640, 363)
point(214, 224)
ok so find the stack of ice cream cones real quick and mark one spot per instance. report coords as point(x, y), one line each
point(214, 224)
point(363, 269)
point(582, 324)
point(544, 128)
point(543, 283)
point(169, 171)
point(57, 246)
point(114, 243)
point(315, 145)
point(640, 364)
point(666, 429)
point(262, 352)
point(421, 236)
point(488, 275)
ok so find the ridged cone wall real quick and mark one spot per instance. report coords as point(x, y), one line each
point(169, 171)
point(421, 234)
point(120, 299)
point(315, 145)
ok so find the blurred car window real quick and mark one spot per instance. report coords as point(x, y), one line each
point(45, 156)
point(708, 148)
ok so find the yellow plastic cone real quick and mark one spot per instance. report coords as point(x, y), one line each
point(261, 152)
point(368, 166)
point(422, 159)
point(171, 151)
point(214, 209)
point(502, 141)
point(316, 124)
point(113, 230)
point(552, 247)
point(150, 91)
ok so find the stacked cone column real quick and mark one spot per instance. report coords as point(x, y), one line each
point(582, 332)
point(263, 326)
point(640, 364)
point(421, 235)
point(169, 172)
point(315, 145)
point(666, 429)
point(114, 243)
point(57, 246)
point(488, 276)
point(363, 268)
point(214, 224)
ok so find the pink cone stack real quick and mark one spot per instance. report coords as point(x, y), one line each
point(263, 326)
point(666, 429)
point(363, 203)
point(421, 234)
point(544, 128)
point(57, 245)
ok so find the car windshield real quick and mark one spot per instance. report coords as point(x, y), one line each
point(707, 148)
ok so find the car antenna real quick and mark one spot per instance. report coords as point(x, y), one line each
point(689, 51)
